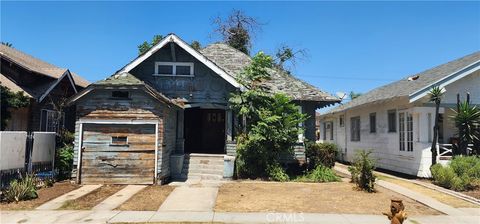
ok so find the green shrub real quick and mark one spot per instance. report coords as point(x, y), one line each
point(320, 174)
point(277, 173)
point(321, 154)
point(24, 189)
point(64, 161)
point(362, 171)
point(463, 173)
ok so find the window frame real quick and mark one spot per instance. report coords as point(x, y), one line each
point(45, 127)
point(341, 120)
point(119, 144)
point(395, 128)
point(373, 127)
point(354, 128)
point(174, 68)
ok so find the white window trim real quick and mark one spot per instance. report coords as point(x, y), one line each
point(174, 68)
point(46, 117)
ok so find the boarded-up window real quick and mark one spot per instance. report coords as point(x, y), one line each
point(355, 129)
point(342, 120)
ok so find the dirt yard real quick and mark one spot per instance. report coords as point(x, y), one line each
point(44, 195)
point(149, 199)
point(339, 197)
point(91, 199)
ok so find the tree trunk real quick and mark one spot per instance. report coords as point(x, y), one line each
point(435, 135)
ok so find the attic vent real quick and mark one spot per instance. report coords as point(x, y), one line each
point(120, 94)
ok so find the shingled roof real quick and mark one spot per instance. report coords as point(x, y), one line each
point(234, 61)
point(36, 65)
point(404, 87)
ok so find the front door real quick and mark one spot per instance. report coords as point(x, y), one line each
point(205, 131)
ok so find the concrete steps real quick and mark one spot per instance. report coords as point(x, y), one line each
point(203, 166)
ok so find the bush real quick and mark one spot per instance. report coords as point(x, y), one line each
point(321, 154)
point(362, 171)
point(24, 189)
point(277, 173)
point(320, 174)
point(64, 161)
point(463, 173)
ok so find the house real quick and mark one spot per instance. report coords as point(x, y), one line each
point(396, 120)
point(42, 83)
point(166, 115)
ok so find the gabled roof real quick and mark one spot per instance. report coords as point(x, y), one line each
point(36, 65)
point(234, 61)
point(415, 88)
point(172, 38)
point(124, 81)
point(4, 81)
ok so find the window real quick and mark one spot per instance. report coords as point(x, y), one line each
point(119, 140)
point(324, 131)
point(331, 130)
point(51, 121)
point(373, 122)
point(341, 120)
point(173, 69)
point(355, 129)
point(392, 121)
point(120, 94)
point(405, 121)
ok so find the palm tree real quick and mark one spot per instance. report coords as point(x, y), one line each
point(436, 94)
point(467, 120)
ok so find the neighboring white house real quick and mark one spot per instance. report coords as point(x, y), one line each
point(396, 121)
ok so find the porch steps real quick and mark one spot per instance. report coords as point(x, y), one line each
point(203, 166)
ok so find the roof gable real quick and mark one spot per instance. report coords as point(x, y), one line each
point(413, 90)
point(175, 39)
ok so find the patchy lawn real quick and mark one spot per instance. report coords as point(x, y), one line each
point(442, 197)
point(91, 199)
point(44, 195)
point(339, 197)
point(148, 199)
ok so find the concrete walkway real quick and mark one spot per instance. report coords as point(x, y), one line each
point(430, 202)
point(119, 198)
point(95, 217)
point(191, 199)
point(58, 202)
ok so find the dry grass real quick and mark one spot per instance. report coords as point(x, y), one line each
point(315, 197)
point(441, 197)
point(44, 195)
point(148, 199)
point(91, 199)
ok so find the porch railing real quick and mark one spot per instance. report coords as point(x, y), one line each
point(445, 151)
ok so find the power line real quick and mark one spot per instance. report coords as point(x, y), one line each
point(345, 78)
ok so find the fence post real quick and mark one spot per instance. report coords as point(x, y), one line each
point(29, 152)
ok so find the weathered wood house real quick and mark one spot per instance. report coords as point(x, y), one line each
point(43, 83)
point(166, 114)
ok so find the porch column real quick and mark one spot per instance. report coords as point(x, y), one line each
point(180, 137)
point(229, 125)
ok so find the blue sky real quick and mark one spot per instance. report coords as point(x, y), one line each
point(352, 46)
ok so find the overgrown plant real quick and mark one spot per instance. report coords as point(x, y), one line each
point(23, 189)
point(467, 120)
point(462, 173)
point(321, 154)
point(270, 122)
point(362, 171)
point(64, 161)
point(10, 100)
point(320, 174)
point(436, 94)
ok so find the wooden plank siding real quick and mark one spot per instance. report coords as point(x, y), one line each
point(106, 163)
point(135, 163)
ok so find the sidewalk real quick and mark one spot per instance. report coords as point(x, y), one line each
point(97, 217)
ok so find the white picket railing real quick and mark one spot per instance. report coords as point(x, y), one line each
point(445, 151)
